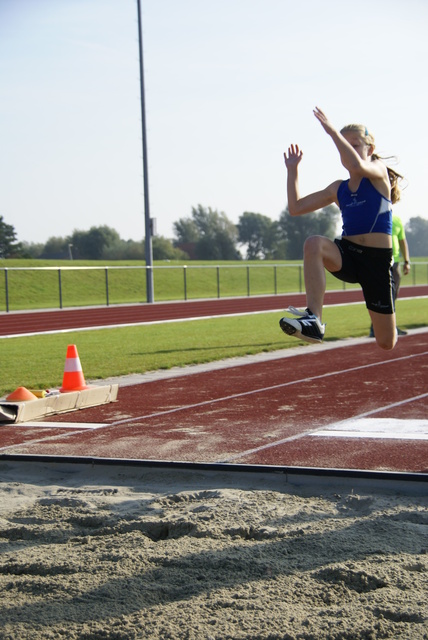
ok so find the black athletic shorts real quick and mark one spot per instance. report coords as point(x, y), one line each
point(371, 267)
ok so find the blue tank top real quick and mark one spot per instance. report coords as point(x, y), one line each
point(365, 210)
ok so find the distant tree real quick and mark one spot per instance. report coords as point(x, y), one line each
point(293, 230)
point(9, 247)
point(120, 249)
point(56, 248)
point(90, 245)
point(32, 249)
point(186, 236)
point(207, 235)
point(103, 243)
point(163, 249)
point(417, 236)
point(186, 231)
point(257, 232)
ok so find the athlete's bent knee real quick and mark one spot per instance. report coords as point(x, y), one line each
point(313, 245)
point(387, 345)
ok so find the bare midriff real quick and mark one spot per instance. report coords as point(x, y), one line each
point(378, 240)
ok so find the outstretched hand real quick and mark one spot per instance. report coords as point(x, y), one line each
point(326, 124)
point(293, 157)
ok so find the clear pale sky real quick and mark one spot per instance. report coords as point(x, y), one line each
point(229, 85)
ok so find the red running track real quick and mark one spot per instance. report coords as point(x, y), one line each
point(18, 323)
point(347, 405)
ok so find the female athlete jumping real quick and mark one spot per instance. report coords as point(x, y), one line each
point(364, 252)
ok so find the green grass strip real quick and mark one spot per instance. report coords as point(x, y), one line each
point(38, 361)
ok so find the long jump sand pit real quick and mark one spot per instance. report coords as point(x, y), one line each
point(126, 552)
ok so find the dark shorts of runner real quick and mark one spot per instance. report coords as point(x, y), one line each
point(371, 267)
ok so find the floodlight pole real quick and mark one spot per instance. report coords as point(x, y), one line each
point(148, 223)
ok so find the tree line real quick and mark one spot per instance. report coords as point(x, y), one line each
point(206, 234)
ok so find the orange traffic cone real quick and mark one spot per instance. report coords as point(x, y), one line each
point(73, 379)
point(21, 394)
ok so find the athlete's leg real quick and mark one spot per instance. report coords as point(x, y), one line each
point(384, 328)
point(396, 273)
point(319, 253)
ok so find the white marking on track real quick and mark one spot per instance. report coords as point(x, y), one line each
point(313, 432)
point(58, 425)
point(382, 428)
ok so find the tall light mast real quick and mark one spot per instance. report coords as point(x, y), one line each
point(148, 222)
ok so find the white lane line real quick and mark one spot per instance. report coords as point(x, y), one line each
point(142, 323)
point(313, 432)
point(79, 428)
point(73, 428)
point(170, 320)
point(264, 389)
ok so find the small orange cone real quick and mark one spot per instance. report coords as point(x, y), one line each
point(21, 394)
point(73, 379)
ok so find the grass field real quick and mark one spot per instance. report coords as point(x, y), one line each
point(38, 361)
point(84, 283)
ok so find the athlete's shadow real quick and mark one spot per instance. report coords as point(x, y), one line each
point(273, 346)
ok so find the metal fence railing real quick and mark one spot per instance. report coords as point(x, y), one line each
point(30, 288)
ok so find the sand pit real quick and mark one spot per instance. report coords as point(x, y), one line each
point(95, 552)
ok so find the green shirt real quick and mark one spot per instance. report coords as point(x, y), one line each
point(398, 234)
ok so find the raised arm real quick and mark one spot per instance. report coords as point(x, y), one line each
point(354, 162)
point(296, 205)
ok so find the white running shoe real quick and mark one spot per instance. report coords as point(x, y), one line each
point(306, 326)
